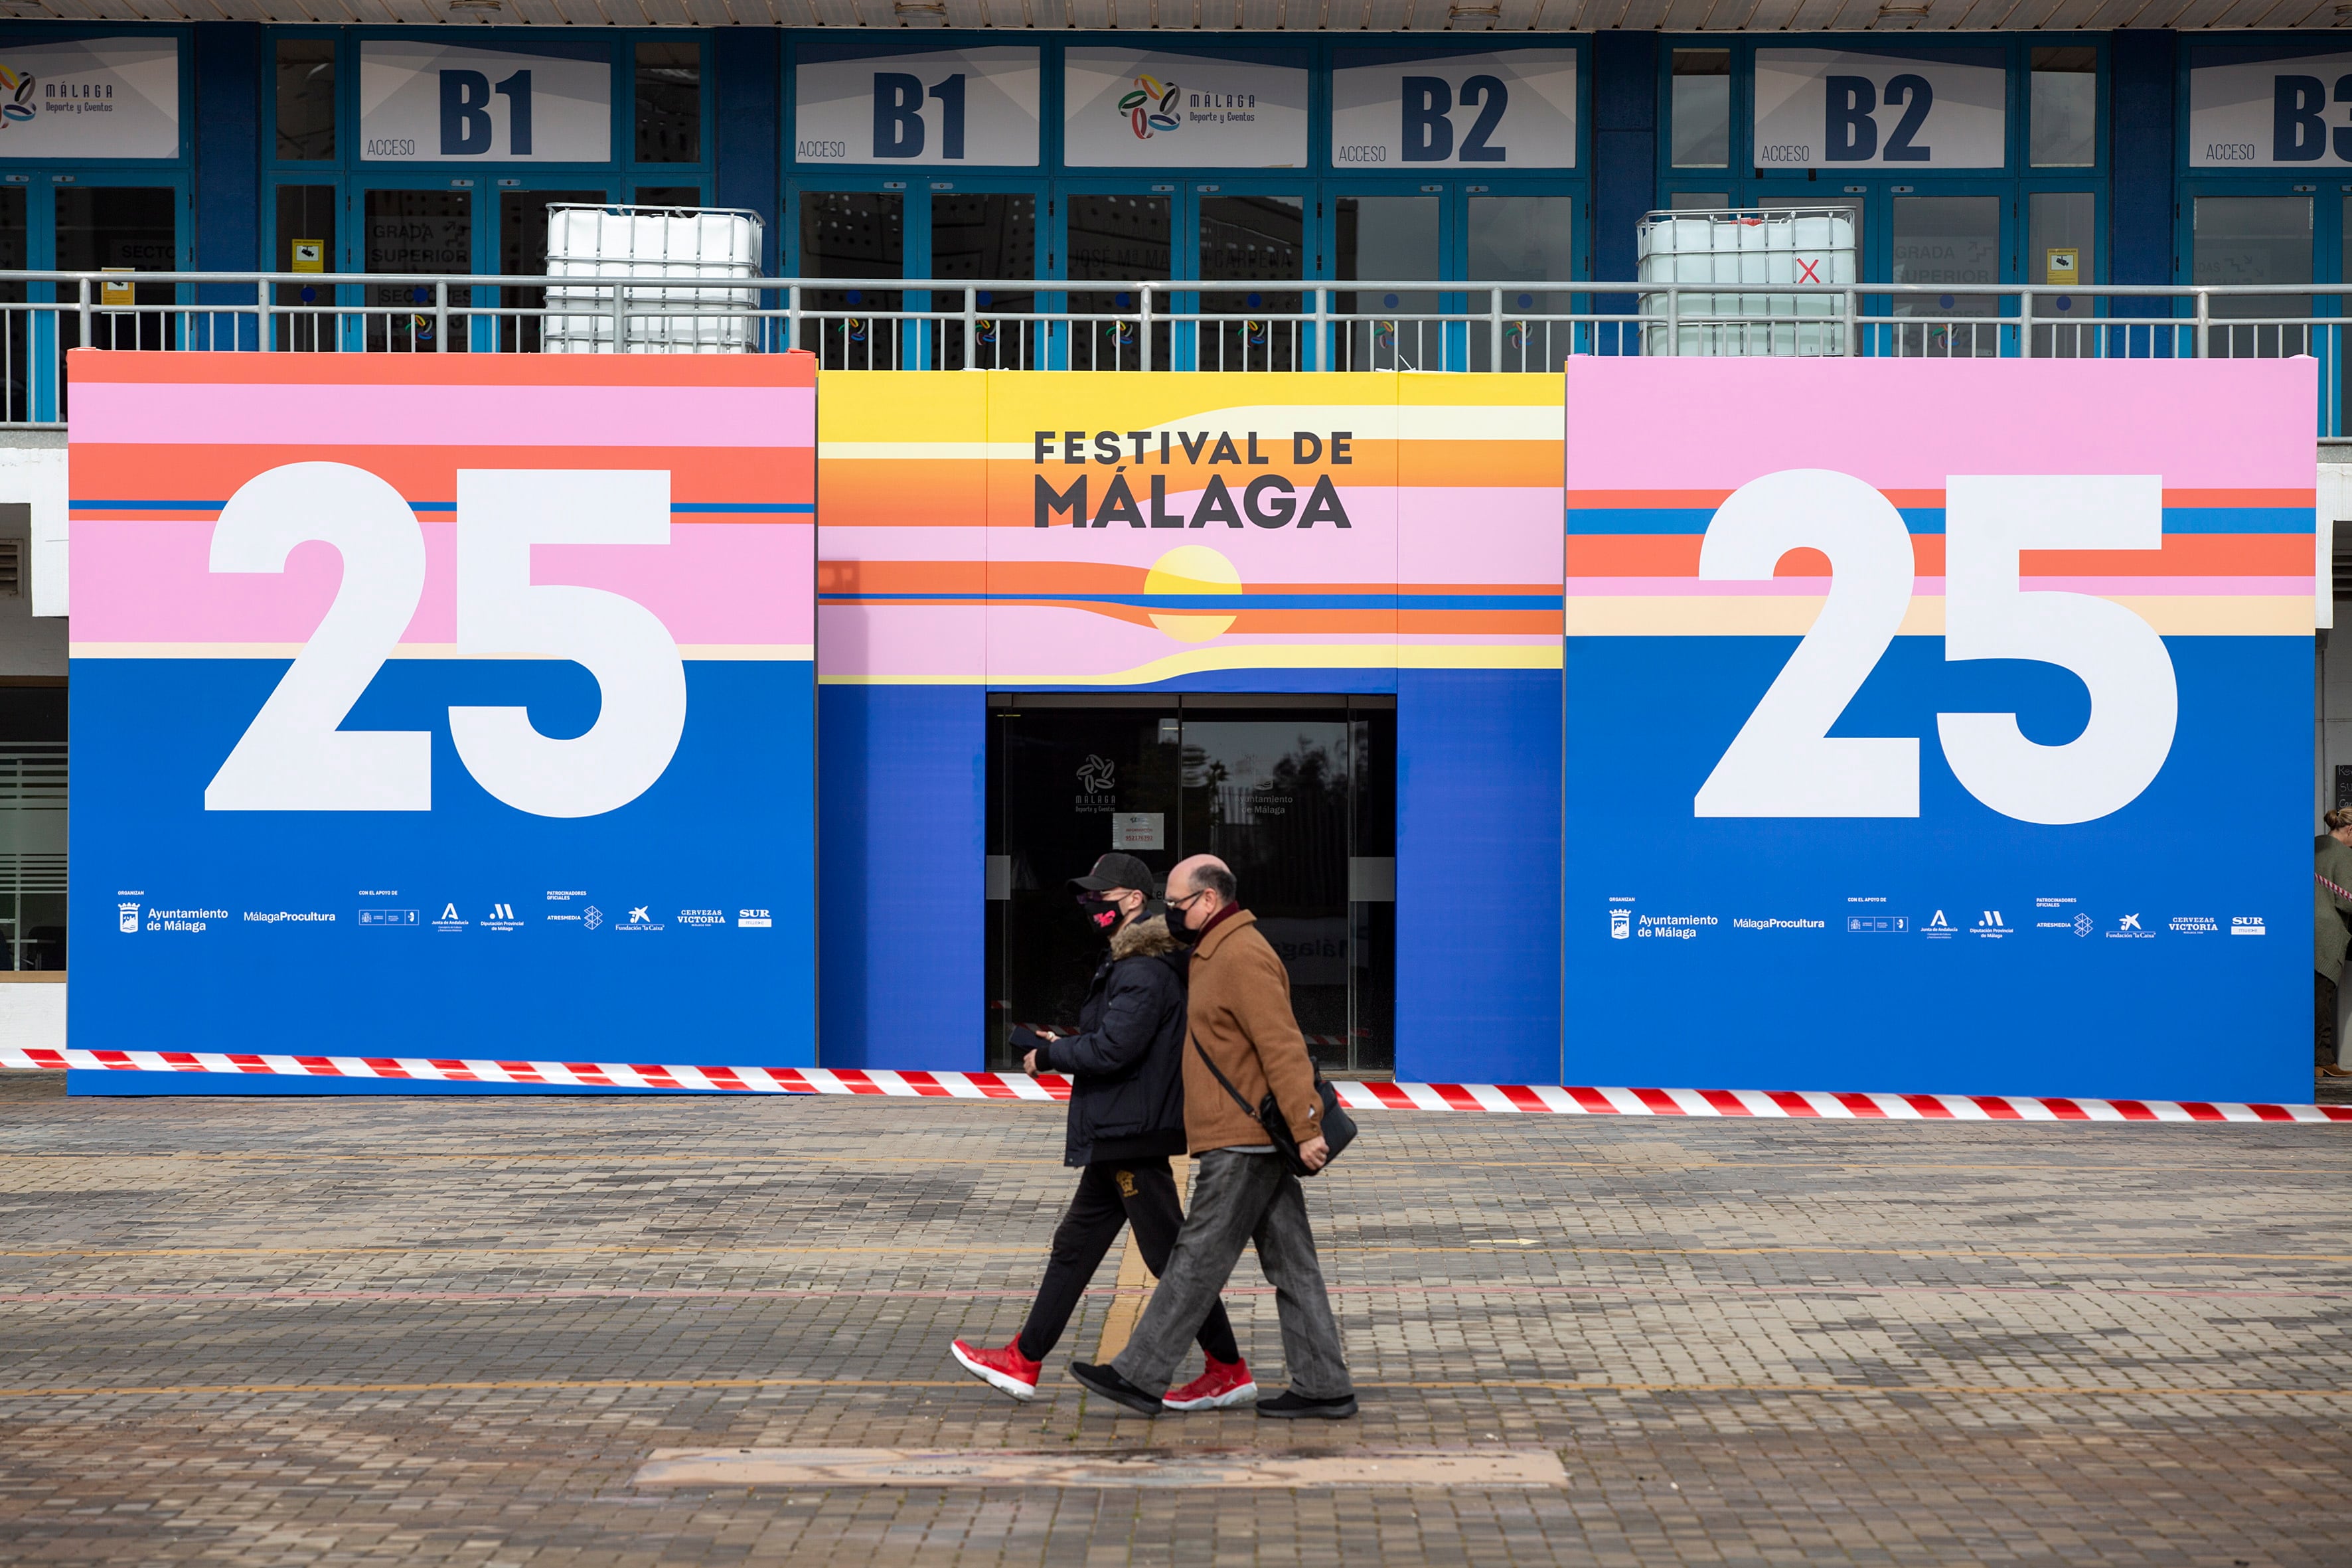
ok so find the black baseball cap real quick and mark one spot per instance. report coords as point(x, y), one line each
point(1116, 870)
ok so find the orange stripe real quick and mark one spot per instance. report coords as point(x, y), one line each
point(776, 474)
point(181, 369)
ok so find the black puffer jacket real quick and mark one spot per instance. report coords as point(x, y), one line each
point(1127, 1063)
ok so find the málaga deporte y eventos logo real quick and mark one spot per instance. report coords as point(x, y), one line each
point(19, 87)
point(1150, 107)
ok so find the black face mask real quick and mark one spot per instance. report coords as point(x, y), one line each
point(1184, 935)
point(1102, 914)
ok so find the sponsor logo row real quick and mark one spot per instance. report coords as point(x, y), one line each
point(574, 911)
point(1988, 924)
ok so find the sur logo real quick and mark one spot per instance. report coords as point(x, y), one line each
point(19, 86)
point(1150, 107)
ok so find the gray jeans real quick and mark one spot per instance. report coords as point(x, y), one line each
point(1236, 1199)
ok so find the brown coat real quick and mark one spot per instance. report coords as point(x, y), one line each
point(1239, 1011)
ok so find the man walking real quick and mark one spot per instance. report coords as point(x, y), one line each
point(1127, 1117)
point(1238, 1016)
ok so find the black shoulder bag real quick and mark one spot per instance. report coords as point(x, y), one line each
point(1338, 1127)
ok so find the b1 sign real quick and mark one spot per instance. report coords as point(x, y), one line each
point(1827, 109)
point(1966, 755)
point(459, 672)
point(974, 107)
point(428, 103)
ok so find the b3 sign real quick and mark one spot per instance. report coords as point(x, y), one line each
point(461, 670)
point(974, 107)
point(430, 103)
point(2283, 113)
point(1825, 108)
point(1499, 111)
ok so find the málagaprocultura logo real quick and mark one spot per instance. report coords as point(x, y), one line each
point(18, 84)
point(1150, 107)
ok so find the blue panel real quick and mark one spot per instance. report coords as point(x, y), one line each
point(902, 857)
point(227, 208)
point(1624, 148)
point(2141, 84)
point(1478, 847)
point(748, 117)
point(2118, 976)
point(245, 935)
point(102, 1082)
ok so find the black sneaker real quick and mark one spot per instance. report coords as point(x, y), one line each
point(1106, 1382)
point(1292, 1405)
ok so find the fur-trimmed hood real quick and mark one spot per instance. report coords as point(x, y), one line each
point(1145, 938)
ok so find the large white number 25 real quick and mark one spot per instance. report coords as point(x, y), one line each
point(1782, 763)
point(293, 756)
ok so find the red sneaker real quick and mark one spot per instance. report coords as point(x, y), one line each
point(1225, 1383)
point(1006, 1369)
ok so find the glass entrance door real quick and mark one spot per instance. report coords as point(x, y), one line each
point(1297, 801)
point(2254, 239)
point(991, 236)
point(1519, 239)
point(422, 232)
point(522, 249)
point(121, 228)
point(1259, 238)
point(1121, 237)
point(851, 235)
point(1381, 238)
point(1952, 243)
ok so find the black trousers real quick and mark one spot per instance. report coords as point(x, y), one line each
point(1142, 1193)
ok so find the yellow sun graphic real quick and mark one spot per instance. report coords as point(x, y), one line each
point(1192, 570)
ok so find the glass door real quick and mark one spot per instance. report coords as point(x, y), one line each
point(121, 228)
point(855, 235)
point(522, 249)
point(304, 240)
point(1955, 244)
point(989, 236)
point(17, 326)
point(2248, 239)
point(1520, 239)
point(1383, 236)
point(420, 232)
point(1256, 237)
point(1116, 238)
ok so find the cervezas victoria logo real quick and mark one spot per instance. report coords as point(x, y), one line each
point(1150, 106)
point(19, 85)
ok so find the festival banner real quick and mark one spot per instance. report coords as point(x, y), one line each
point(1956, 755)
point(1194, 531)
point(441, 705)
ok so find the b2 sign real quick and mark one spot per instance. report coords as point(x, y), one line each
point(973, 107)
point(1824, 108)
point(1500, 110)
point(1954, 752)
point(469, 671)
point(431, 103)
point(2283, 113)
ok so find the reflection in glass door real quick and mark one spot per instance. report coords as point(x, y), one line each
point(15, 323)
point(2254, 239)
point(1257, 239)
point(851, 235)
point(1116, 236)
point(522, 249)
point(121, 228)
point(989, 235)
point(1519, 239)
point(1297, 802)
point(1387, 240)
point(1952, 243)
point(422, 233)
point(306, 243)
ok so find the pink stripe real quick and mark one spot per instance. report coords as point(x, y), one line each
point(1931, 587)
point(712, 583)
point(144, 413)
point(1629, 420)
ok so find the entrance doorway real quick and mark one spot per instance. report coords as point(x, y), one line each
point(1297, 796)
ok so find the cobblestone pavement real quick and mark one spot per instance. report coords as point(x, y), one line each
point(418, 1330)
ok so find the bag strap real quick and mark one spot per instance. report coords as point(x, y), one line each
point(1210, 1063)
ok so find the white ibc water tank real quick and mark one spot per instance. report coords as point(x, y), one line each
point(712, 245)
point(1763, 253)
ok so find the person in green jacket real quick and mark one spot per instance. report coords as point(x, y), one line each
point(2331, 888)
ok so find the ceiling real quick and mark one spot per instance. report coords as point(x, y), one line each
point(1248, 16)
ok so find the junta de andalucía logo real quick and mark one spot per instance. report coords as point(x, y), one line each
point(19, 86)
point(1150, 107)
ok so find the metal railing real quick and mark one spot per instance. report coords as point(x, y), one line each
point(1149, 323)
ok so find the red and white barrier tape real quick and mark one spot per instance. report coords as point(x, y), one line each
point(1540, 1099)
